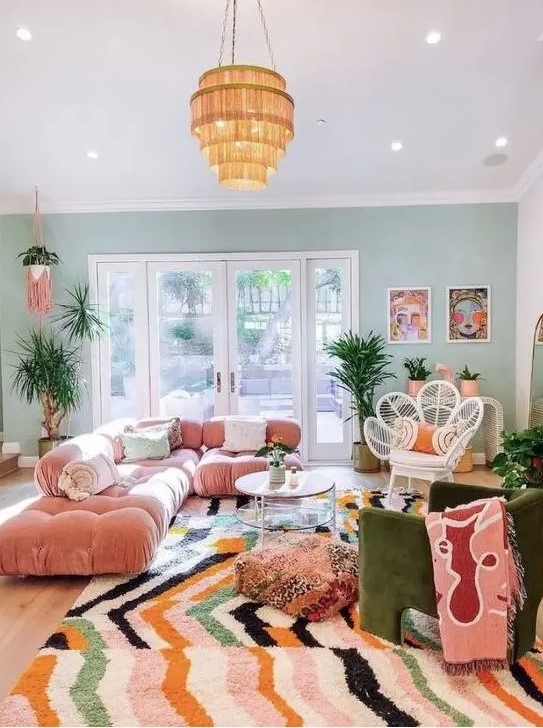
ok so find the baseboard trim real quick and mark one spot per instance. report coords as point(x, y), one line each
point(27, 461)
point(11, 448)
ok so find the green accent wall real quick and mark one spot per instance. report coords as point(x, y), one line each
point(399, 246)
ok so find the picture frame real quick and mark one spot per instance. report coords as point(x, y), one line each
point(409, 315)
point(469, 314)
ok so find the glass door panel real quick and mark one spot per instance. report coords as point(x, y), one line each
point(328, 316)
point(264, 338)
point(123, 355)
point(186, 335)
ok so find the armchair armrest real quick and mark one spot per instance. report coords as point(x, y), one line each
point(395, 570)
point(449, 495)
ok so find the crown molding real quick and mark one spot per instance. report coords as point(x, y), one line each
point(531, 174)
point(248, 202)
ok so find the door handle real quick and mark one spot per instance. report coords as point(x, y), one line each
point(232, 382)
point(219, 382)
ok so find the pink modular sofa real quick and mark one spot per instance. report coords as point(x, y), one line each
point(119, 530)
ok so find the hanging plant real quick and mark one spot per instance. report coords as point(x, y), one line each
point(38, 255)
point(38, 260)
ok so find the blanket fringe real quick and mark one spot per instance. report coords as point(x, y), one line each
point(519, 595)
point(468, 668)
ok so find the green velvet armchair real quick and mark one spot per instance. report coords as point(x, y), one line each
point(396, 565)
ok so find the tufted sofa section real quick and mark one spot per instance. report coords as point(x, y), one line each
point(120, 530)
point(219, 469)
point(115, 532)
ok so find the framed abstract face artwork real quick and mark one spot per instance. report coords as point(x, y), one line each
point(468, 314)
point(409, 315)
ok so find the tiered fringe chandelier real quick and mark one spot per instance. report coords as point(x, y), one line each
point(242, 116)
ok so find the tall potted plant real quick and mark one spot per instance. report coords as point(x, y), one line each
point(363, 365)
point(49, 363)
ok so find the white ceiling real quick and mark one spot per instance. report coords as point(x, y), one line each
point(116, 76)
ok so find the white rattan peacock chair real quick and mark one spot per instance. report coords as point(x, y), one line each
point(438, 403)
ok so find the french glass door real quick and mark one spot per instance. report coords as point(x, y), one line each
point(264, 352)
point(188, 342)
point(208, 337)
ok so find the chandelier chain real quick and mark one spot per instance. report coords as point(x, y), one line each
point(266, 33)
point(234, 5)
point(224, 28)
point(234, 14)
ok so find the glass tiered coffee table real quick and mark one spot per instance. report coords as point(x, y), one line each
point(308, 505)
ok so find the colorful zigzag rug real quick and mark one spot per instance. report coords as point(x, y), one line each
point(178, 646)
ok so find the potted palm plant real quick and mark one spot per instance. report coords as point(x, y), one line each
point(418, 373)
point(362, 367)
point(49, 363)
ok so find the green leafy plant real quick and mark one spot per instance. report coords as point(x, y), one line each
point(38, 255)
point(49, 361)
point(183, 331)
point(276, 451)
point(468, 376)
point(416, 368)
point(363, 366)
point(521, 462)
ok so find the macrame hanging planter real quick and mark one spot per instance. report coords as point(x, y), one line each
point(39, 289)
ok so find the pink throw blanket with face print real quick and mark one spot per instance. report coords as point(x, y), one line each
point(478, 581)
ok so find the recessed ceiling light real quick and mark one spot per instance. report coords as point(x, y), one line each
point(23, 34)
point(92, 154)
point(321, 121)
point(433, 37)
point(397, 145)
point(501, 141)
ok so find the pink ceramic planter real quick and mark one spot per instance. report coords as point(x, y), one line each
point(415, 386)
point(469, 387)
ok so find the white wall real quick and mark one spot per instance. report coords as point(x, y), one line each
point(529, 289)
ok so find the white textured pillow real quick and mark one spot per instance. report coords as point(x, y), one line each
point(241, 433)
point(83, 478)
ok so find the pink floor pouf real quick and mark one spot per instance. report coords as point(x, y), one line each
point(314, 577)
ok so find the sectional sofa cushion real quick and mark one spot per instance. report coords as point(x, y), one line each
point(219, 469)
point(116, 532)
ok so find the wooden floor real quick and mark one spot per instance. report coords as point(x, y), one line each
point(31, 608)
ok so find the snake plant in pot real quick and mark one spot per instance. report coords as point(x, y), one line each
point(362, 366)
point(49, 360)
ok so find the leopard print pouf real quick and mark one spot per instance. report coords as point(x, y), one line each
point(314, 578)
